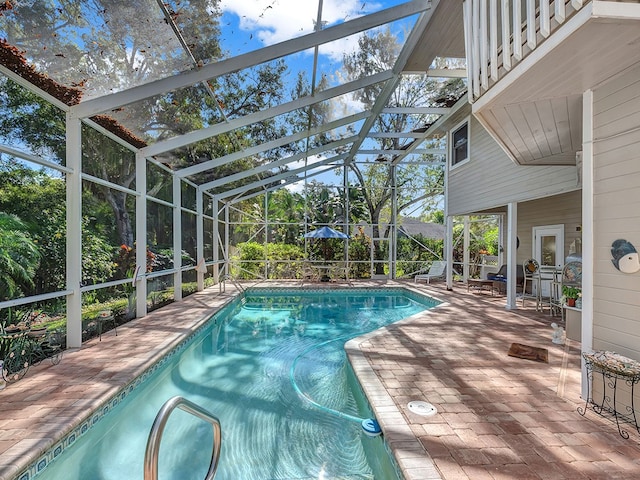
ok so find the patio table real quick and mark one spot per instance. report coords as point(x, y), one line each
point(480, 284)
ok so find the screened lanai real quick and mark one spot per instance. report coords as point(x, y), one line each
point(216, 134)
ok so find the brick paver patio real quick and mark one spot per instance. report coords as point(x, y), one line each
point(498, 417)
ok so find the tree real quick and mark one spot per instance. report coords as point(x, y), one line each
point(19, 257)
point(121, 47)
point(483, 240)
point(285, 216)
point(413, 184)
point(38, 199)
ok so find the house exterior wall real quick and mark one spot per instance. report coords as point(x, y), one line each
point(564, 209)
point(616, 296)
point(490, 179)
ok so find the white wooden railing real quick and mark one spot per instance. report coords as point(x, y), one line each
point(524, 24)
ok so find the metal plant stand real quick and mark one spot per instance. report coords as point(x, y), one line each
point(616, 371)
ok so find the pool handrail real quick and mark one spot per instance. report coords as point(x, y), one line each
point(155, 436)
point(230, 278)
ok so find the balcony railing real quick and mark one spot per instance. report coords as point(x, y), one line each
point(499, 34)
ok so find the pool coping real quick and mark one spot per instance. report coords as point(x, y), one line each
point(411, 457)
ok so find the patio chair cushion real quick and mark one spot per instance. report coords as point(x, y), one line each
point(501, 275)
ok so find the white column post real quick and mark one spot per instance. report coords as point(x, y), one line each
point(266, 235)
point(506, 35)
point(345, 182)
point(74, 231)
point(465, 245)
point(201, 268)
point(448, 235)
point(587, 230)
point(448, 251)
point(177, 239)
point(502, 239)
point(216, 239)
point(227, 265)
point(393, 240)
point(140, 280)
point(512, 254)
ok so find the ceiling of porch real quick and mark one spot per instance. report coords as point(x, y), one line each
point(535, 110)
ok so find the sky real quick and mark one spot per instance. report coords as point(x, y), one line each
point(272, 21)
point(252, 24)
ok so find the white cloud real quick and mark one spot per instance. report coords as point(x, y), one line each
point(273, 21)
point(297, 187)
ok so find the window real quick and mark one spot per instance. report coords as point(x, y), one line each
point(460, 144)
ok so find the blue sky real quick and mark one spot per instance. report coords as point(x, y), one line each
point(251, 24)
point(248, 25)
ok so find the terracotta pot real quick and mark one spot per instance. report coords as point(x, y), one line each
point(571, 302)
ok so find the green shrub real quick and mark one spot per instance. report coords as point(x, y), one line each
point(249, 263)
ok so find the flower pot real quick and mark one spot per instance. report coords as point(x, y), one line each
point(37, 332)
point(571, 302)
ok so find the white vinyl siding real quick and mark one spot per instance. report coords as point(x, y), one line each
point(492, 180)
point(564, 209)
point(616, 296)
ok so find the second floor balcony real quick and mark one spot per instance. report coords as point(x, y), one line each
point(530, 61)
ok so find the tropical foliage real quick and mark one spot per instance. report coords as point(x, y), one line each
point(266, 231)
point(19, 257)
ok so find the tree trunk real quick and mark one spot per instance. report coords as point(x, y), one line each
point(377, 249)
point(118, 202)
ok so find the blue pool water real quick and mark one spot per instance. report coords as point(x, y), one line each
point(272, 368)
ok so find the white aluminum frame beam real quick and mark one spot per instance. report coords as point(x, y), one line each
point(139, 276)
point(285, 182)
point(240, 62)
point(439, 72)
point(32, 88)
point(416, 151)
point(34, 159)
point(277, 163)
point(447, 73)
point(209, 164)
point(395, 134)
point(390, 86)
point(74, 231)
point(282, 176)
point(416, 110)
point(213, 130)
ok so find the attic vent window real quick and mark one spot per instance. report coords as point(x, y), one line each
point(460, 144)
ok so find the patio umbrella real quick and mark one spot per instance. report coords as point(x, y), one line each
point(325, 232)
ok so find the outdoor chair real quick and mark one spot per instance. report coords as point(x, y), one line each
point(310, 273)
point(500, 279)
point(339, 271)
point(436, 271)
point(531, 270)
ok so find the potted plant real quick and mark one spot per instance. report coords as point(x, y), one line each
point(570, 295)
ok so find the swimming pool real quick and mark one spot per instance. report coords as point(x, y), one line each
point(272, 367)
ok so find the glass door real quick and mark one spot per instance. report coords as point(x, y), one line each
point(548, 242)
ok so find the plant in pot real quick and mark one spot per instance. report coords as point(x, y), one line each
point(570, 295)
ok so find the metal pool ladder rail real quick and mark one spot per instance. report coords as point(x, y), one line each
point(153, 443)
point(229, 277)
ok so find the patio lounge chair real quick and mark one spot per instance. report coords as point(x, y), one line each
point(437, 270)
point(500, 279)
